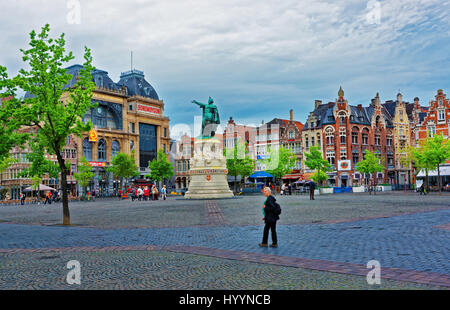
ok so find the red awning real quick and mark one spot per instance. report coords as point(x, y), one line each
point(295, 176)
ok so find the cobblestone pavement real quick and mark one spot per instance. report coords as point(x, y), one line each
point(168, 270)
point(410, 247)
point(113, 213)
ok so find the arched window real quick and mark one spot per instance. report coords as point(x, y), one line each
point(355, 133)
point(329, 136)
point(115, 148)
point(365, 136)
point(87, 149)
point(101, 150)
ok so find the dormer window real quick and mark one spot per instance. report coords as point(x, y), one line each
point(441, 103)
point(312, 124)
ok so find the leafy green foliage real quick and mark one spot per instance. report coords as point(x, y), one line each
point(84, 174)
point(280, 161)
point(315, 161)
point(160, 167)
point(319, 176)
point(40, 165)
point(239, 161)
point(372, 163)
point(124, 166)
point(53, 108)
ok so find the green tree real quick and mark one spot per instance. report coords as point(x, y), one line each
point(124, 166)
point(10, 135)
point(315, 161)
point(84, 174)
point(239, 162)
point(319, 176)
point(5, 163)
point(160, 167)
point(280, 162)
point(40, 165)
point(416, 157)
point(437, 152)
point(372, 163)
point(46, 80)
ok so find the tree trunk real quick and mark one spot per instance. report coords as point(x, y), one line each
point(439, 180)
point(65, 200)
point(235, 184)
point(374, 186)
point(426, 181)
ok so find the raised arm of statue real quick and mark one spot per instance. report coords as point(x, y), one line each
point(199, 103)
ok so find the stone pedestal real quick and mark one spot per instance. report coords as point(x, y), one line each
point(208, 171)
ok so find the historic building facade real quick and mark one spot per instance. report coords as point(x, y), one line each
point(183, 151)
point(236, 132)
point(129, 117)
point(436, 119)
point(344, 133)
point(291, 138)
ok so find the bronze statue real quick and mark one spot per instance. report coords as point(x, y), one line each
point(210, 118)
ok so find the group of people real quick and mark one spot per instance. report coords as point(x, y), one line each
point(49, 197)
point(144, 193)
point(286, 189)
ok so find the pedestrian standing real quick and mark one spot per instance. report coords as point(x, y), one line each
point(48, 199)
point(290, 189)
point(140, 193)
point(133, 194)
point(271, 211)
point(312, 187)
point(164, 192)
point(22, 199)
point(146, 193)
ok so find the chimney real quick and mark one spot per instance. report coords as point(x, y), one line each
point(262, 122)
point(291, 114)
point(360, 107)
point(317, 103)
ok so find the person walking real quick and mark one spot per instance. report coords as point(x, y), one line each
point(48, 198)
point(133, 194)
point(164, 192)
point(140, 193)
point(312, 187)
point(146, 193)
point(155, 192)
point(22, 199)
point(271, 210)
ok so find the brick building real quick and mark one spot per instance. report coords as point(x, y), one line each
point(345, 132)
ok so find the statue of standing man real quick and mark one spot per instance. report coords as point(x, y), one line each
point(210, 118)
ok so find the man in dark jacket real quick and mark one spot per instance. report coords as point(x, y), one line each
point(312, 187)
point(270, 218)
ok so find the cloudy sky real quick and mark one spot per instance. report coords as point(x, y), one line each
point(257, 58)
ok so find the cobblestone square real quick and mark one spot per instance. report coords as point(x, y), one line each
point(213, 244)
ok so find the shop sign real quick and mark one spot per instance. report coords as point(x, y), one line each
point(93, 135)
point(148, 109)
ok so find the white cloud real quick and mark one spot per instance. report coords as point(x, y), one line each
point(258, 58)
